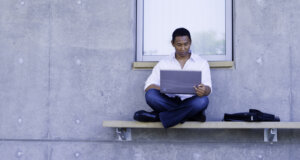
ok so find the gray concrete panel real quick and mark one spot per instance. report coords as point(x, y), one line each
point(65, 66)
point(294, 61)
point(24, 69)
point(88, 80)
point(174, 151)
point(83, 94)
point(146, 150)
point(261, 77)
point(23, 150)
point(105, 24)
point(295, 149)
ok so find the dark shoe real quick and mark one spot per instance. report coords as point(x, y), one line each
point(144, 116)
point(201, 117)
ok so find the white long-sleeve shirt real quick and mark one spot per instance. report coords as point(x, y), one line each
point(194, 63)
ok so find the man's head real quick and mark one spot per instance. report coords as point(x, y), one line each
point(180, 32)
point(181, 41)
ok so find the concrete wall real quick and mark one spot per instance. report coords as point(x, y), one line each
point(65, 66)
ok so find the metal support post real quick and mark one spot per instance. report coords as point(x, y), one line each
point(270, 135)
point(123, 134)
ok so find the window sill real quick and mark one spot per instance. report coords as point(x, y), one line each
point(212, 64)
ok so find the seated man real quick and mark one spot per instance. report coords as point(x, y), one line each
point(172, 109)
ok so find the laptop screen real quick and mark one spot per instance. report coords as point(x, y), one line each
point(179, 81)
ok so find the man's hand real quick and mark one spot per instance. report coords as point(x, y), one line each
point(202, 90)
point(152, 86)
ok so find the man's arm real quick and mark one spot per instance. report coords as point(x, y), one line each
point(202, 90)
point(153, 80)
point(152, 86)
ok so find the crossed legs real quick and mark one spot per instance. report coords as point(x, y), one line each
point(172, 110)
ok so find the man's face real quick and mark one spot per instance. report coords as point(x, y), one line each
point(182, 45)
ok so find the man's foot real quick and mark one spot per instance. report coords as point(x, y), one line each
point(201, 117)
point(144, 116)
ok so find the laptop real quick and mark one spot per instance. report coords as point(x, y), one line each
point(179, 82)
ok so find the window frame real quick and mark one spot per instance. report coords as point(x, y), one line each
point(140, 57)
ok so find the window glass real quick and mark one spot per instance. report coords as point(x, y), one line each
point(205, 19)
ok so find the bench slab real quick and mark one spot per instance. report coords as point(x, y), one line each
point(204, 125)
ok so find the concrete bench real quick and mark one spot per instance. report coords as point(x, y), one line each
point(123, 128)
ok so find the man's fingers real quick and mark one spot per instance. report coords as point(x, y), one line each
point(200, 89)
point(200, 93)
point(196, 89)
point(201, 85)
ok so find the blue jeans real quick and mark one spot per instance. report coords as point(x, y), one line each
point(172, 110)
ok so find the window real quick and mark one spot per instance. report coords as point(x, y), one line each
point(209, 21)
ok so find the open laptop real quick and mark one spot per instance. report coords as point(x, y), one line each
point(179, 82)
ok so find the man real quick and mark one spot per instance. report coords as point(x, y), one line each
point(172, 109)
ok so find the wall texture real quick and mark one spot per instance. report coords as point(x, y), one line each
point(65, 66)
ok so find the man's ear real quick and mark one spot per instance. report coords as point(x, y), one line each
point(172, 43)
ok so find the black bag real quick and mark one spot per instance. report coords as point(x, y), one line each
point(252, 116)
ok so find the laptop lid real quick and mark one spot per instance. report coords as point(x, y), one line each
point(179, 82)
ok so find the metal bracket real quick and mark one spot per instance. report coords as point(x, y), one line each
point(270, 135)
point(123, 134)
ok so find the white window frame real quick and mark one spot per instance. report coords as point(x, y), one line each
point(228, 36)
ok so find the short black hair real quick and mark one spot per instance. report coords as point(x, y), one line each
point(180, 32)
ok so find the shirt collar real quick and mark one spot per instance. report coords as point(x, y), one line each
point(192, 58)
